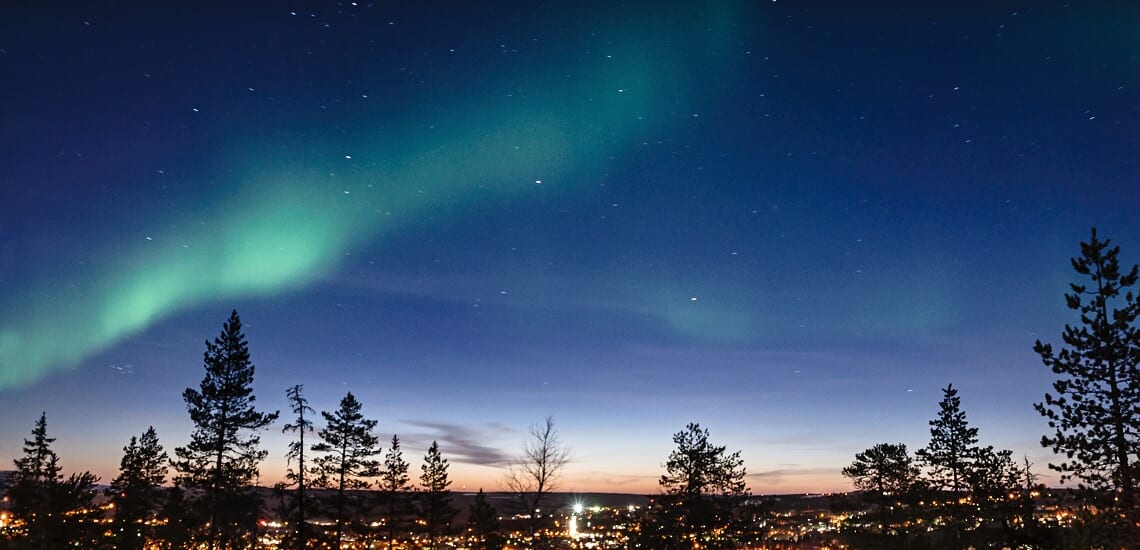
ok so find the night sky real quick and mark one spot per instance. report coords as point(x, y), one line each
point(792, 222)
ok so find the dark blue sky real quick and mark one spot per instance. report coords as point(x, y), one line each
point(793, 222)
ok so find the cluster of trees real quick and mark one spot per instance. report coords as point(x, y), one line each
point(56, 510)
point(954, 493)
point(214, 501)
point(703, 501)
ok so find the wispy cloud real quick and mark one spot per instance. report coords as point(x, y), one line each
point(779, 474)
point(461, 444)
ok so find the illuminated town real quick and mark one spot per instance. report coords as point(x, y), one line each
point(600, 521)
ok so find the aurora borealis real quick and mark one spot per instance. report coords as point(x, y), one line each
point(285, 222)
point(792, 222)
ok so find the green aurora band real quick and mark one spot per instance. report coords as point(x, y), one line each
point(289, 222)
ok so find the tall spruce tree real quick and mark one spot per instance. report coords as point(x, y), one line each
point(137, 490)
point(57, 512)
point(950, 459)
point(37, 473)
point(348, 447)
point(220, 464)
point(295, 476)
point(1095, 413)
point(394, 485)
point(436, 507)
point(950, 455)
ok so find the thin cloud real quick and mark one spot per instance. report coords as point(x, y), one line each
point(777, 475)
point(462, 444)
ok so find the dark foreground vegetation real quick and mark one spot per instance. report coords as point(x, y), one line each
point(344, 489)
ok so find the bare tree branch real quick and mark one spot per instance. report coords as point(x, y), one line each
point(535, 474)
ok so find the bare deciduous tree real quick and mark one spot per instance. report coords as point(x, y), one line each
point(533, 476)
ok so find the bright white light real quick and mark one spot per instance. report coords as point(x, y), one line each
point(577, 507)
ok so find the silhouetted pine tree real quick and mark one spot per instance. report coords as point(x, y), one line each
point(57, 512)
point(75, 506)
point(394, 487)
point(889, 479)
point(36, 474)
point(950, 459)
point(703, 490)
point(435, 500)
point(885, 468)
point(1095, 413)
point(483, 524)
point(994, 478)
point(220, 463)
point(348, 445)
point(136, 491)
point(177, 533)
point(950, 454)
point(295, 477)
